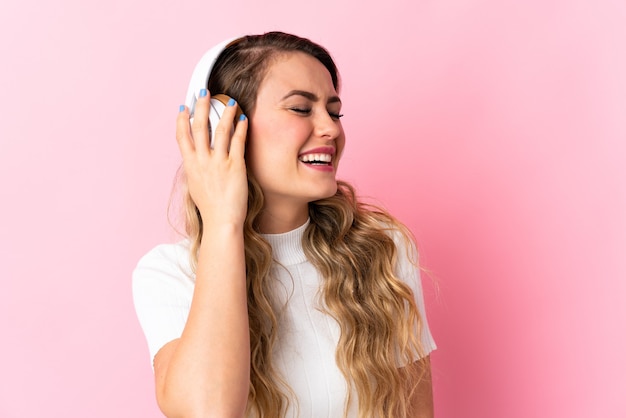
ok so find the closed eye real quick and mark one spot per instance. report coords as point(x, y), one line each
point(306, 111)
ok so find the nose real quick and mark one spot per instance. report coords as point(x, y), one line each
point(326, 126)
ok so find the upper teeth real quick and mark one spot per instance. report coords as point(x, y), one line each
point(316, 157)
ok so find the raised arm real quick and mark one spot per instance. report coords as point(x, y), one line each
point(422, 399)
point(206, 372)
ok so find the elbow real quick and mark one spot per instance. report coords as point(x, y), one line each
point(174, 404)
point(172, 407)
point(179, 405)
point(182, 405)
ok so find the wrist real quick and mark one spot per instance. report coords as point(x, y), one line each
point(221, 230)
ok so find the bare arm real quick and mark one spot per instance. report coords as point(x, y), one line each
point(206, 372)
point(422, 400)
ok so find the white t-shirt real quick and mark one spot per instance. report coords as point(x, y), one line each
point(163, 285)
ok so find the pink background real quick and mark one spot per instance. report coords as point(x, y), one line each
point(496, 132)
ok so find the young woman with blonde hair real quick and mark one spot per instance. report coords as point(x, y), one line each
point(289, 297)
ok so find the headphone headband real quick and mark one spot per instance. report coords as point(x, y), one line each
point(201, 73)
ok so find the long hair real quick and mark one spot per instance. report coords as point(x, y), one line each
point(351, 245)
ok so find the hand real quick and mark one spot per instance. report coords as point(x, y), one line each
point(216, 177)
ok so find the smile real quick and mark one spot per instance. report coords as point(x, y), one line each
point(316, 159)
point(321, 156)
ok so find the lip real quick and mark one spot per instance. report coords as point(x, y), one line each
point(327, 168)
point(320, 150)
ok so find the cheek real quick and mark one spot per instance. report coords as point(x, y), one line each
point(256, 159)
point(340, 143)
point(276, 136)
point(257, 137)
point(263, 151)
point(264, 131)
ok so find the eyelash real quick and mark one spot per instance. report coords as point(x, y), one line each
point(335, 116)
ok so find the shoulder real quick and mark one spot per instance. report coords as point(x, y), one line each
point(166, 265)
point(406, 265)
point(162, 285)
point(406, 250)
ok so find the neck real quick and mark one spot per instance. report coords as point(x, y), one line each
point(277, 219)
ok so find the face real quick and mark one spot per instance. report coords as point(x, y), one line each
point(295, 134)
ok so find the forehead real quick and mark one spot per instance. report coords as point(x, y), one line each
point(296, 71)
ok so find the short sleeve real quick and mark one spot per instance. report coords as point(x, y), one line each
point(163, 284)
point(408, 271)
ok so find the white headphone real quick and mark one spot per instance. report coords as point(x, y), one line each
point(199, 80)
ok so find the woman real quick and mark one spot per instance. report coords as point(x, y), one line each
point(289, 297)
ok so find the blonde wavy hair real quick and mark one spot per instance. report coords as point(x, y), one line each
point(352, 246)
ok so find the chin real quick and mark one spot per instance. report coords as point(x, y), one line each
point(328, 192)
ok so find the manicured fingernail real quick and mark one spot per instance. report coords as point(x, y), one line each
point(203, 93)
point(231, 102)
point(242, 117)
point(181, 108)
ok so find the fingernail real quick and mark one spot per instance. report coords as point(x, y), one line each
point(203, 93)
point(181, 108)
point(231, 102)
point(242, 117)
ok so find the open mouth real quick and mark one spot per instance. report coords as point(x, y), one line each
point(316, 159)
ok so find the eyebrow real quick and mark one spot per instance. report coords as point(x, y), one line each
point(310, 96)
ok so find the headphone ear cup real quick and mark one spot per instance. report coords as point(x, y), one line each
point(215, 114)
point(218, 105)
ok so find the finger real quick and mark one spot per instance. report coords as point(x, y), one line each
point(200, 124)
point(183, 131)
point(224, 129)
point(238, 142)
